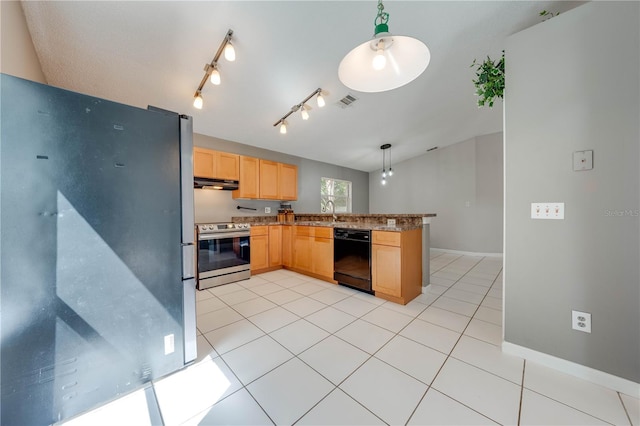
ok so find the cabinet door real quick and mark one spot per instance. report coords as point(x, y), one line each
point(286, 245)
point(288, 181)
point(203, 163)
point(227, 166)
point(322, 257)
point(259, 252)
point(275, 245)
point(268, 180)
point(249, 178)
point(386, 268)
point(302, 252)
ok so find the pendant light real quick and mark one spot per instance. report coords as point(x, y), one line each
point(386, 173)
point(384, 63)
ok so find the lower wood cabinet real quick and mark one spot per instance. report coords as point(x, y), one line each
point(275, 245)
point(259, 245)
point(396, 265)
point(287, 254)
point(313, 251)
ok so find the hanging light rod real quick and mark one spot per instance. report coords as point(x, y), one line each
point(211, 70)
point(302, 107)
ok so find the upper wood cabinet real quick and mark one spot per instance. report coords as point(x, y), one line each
point(211, 164)
point(288, 182)
point(269, 181)
point(249, 186)
point(278, 181)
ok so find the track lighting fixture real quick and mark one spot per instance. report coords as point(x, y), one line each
point(386, 147)
point(211, 70)
point(302, 107)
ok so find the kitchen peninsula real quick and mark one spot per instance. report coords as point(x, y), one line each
point(399, 252)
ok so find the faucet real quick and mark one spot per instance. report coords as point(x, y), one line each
point(333, 209)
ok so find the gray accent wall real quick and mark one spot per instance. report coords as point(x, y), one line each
point(462, 183)
point(219, 206)
point(572, 84)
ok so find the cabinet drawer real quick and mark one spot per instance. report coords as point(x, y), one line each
point(305, 231)
point(259, 230)
point(386, 238)
point(323, 232)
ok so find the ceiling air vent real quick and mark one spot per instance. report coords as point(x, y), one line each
point(432, 149)
point(347, 101)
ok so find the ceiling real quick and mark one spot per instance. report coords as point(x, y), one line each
point(153, 53)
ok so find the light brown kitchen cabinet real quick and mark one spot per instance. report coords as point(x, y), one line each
point(259, 244)
point(269, 180)
point(322, 257)
point(287, 182)
point(249, 186)
point(227, 166)
point(302, 248)
point(286, 245)
point(203, 163)
point(313, 251)
point(396, 265)
point(211, 164)
point(275, 245)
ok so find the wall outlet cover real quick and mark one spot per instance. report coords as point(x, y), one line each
point(267, 209)
point(391, 222)
point(581, 321)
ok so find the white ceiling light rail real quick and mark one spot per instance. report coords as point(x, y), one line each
point(385, 62)
point(302, 107)
point(211, 70)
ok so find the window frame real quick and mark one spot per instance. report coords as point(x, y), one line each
point(348, 199)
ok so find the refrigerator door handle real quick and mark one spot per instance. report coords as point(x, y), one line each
point(188, 261)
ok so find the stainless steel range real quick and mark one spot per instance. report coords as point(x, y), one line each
point(223, 253)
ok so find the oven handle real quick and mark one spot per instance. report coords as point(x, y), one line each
point(222, 236)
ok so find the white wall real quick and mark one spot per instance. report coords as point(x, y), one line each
point(573, 84)
point(17, 54)
point(461, 183)
point(219, 206)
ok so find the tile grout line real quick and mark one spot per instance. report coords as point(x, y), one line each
point(454, 346)
point(625, 408)
point(414, 317)
point(524, 368)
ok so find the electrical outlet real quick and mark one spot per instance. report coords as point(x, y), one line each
point(581, 321)
point(547, 210)
point(267, 209)
point(391, 222)
point(169, 344)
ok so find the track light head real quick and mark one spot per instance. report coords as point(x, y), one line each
point(229, 51)
point(215, 75)
point(320, 99)
point(198, 101)
point(283, 127)
point(304, 111)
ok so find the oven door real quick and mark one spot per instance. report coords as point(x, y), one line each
point(224, 253)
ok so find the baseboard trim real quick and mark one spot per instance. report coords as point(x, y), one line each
point(467, 253)
point(583, 372)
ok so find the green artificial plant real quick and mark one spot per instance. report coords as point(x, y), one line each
point(489, 80)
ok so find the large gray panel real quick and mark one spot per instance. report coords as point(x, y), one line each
point(90, 250)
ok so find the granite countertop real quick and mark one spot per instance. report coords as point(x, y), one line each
point(351, 225)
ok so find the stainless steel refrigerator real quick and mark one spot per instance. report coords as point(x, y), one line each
point(97, 280)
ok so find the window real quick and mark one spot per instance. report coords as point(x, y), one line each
point(338, 191)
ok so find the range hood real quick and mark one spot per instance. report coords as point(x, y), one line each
point(222, 184)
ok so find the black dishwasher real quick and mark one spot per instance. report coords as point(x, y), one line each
point(352, 258)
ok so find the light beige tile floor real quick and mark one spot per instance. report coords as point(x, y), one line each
point(283, 348)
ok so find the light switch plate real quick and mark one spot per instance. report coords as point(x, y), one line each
point(547, 210)
point(582, 160)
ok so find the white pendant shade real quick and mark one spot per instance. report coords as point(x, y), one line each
point(406, 59)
